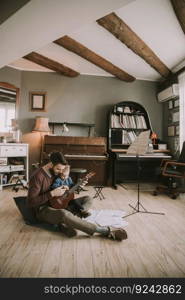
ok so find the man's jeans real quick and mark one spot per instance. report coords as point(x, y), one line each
point(67, 217)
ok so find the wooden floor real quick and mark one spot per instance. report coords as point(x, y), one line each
point(155, 246)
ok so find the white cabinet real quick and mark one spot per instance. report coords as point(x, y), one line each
point(7, 168)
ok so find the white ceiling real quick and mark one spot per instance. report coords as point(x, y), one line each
point(39, 22)
point(154, 21)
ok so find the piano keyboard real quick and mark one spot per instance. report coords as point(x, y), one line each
point(153, 155)
point(84, 156)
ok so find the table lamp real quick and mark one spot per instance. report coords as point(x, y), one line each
point(153, 137)
point(41, 125)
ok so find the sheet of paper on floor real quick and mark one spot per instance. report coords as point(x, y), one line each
point(107, 217)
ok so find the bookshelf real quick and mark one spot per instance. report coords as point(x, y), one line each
point(126, 120)
point(131, 119)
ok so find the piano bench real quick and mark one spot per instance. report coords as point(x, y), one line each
point(98, 192)
point(77, 172)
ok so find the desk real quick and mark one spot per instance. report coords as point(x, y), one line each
point(124, 167)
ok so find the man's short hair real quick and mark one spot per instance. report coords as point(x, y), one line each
point(57, 158)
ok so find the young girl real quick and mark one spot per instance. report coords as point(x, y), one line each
point(63, 180)
point(76, 206)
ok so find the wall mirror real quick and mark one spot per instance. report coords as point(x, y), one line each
point(9, 98)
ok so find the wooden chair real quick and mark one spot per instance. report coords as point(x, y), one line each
point(171, 172)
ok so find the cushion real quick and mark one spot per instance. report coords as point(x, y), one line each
point(25, 211)
point(29, 216)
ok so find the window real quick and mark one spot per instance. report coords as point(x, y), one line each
point(7, 112)
point(7, 108)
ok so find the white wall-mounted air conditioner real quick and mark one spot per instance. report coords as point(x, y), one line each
point(169, 93)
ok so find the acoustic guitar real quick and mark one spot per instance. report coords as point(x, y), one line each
point(62, 202)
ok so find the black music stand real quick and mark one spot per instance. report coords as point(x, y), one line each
point(142, 138)
point(136, 208)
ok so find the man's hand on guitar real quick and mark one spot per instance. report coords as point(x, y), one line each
point(65, 187)
point(58, 191)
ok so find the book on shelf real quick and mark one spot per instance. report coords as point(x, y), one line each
point(115, 121)
point(128, 121)
point(128, 137)
point(123, 137)
point(3, 161)
point(140, 121)
point(126, 109)
point(132, 136)
point(133, 122)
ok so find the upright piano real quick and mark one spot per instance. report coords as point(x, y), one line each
point(89, 153)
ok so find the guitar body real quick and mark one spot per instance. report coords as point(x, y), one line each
point(60, 203)
point(63, 201)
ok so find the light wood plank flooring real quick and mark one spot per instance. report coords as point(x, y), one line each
point(155, 246)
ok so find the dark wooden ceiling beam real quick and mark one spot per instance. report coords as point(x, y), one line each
point(179, 8)
point(126, 35)
point(50, 64)
point(79, 49)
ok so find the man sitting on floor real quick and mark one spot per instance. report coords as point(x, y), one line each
point(40, 195)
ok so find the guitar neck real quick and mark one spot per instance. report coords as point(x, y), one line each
point(71, 190)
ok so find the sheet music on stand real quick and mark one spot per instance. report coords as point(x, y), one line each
point(140, 145)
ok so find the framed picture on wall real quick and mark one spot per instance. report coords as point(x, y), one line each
point(170, 104)
point(176, 103)
point(175, 117)
point(171, 131)
point(38, 101)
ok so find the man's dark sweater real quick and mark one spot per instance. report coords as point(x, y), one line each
point(39, 189)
